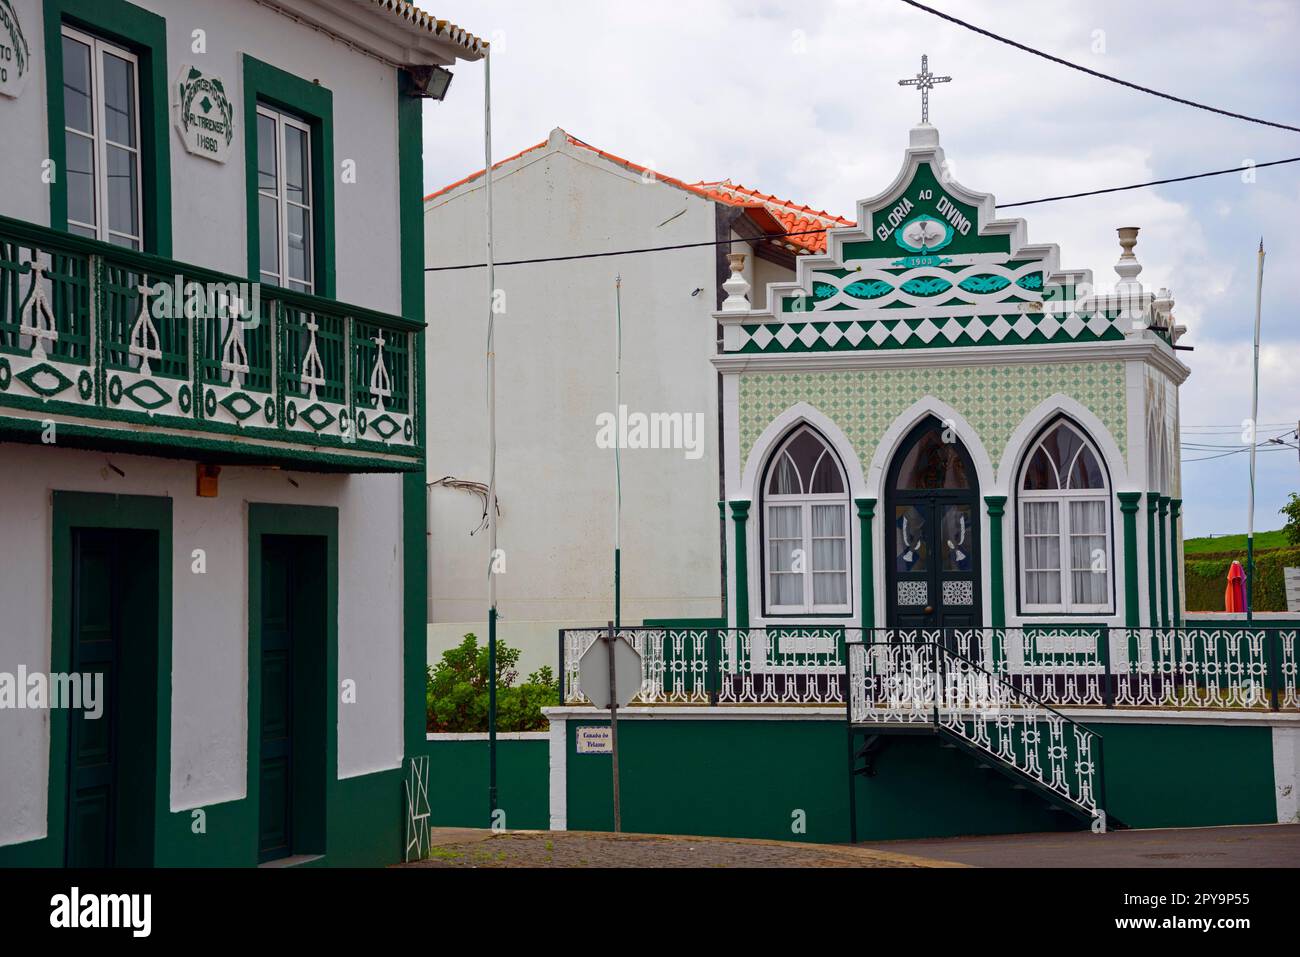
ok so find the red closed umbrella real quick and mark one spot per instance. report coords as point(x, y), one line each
point(1234, 596)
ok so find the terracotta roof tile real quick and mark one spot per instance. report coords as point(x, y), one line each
point(791, 216)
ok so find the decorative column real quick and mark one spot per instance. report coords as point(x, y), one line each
point(1153, 591)
point(866, 512)
point(1128, 506)
point(1164, 564)
point(1175, 562)
point(740, 516)
point(996, 505)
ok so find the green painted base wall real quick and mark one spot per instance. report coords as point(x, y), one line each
point(458, 783)
point(1188, 775)
point(364, 818)
point(749, 778)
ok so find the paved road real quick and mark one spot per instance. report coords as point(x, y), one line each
point(1267, 845)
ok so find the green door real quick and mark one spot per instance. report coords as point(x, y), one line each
point(275, 836)
point(112, 757)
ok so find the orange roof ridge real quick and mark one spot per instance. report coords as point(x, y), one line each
point(791, 216)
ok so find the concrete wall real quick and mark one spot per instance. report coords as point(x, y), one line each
point(209, 692)
point(209, 210)
point(555, 351)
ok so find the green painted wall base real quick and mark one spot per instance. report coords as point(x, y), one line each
point(458, 783)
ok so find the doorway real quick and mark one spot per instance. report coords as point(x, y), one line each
point(112, 754)
point(292, 684)
point(932, 537)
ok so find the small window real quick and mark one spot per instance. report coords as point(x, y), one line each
point(284, 200)
point(933, 464)
point(101, 116)
point(1065, 527)
point(806, 529)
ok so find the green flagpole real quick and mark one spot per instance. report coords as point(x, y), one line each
point(618, 463)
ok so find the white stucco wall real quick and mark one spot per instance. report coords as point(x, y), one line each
point(209, 616)
point(209, 210)
point(555, 373)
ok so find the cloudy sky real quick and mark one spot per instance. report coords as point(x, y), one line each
point(800, 98)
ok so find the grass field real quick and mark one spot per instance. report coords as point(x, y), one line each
point(1229, 543)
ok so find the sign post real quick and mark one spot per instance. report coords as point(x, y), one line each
point(610, 676)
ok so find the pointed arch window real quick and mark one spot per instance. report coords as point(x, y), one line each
point(806, 528)
point(1064, 522)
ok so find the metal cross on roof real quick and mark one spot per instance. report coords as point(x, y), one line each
point(925, 81)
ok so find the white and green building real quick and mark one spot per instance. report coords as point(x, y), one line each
point(212, 427)
point(951, 499)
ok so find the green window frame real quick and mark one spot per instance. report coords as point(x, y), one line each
point(145, 35)
point(313, 104)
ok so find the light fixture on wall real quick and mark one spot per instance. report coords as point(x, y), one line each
point(206, 480)
point(429, 81)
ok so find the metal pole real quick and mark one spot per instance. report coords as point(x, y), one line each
point(492, 445)
point(613, 724)
point(1254, 441)
point(618, 463)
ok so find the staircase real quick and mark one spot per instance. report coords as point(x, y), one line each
point(926, 688)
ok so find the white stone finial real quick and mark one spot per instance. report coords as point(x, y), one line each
point(1128, 266)
point(737, 286)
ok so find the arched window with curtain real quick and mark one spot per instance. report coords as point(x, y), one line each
point(805, 515)
point(1064, 522)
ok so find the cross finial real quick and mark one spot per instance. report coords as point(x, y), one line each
point(925, 81)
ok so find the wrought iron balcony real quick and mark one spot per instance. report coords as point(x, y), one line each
point(118, 348)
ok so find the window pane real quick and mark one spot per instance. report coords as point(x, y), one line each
point(1043, 588)
point(956, 538)
point(828, 538)
point(1040, 474)
point(299, 232)
point(266, 169)
point(80, 173)
point(77, 111)
point(1061, 444)
point(122, 188)
point(933, 463)
point(785, 537)
point(785, 479)
point(787, 589)
point(117, 239)
point(119, 99)
point(826, 480)
point(1089, 562)
point(268, 234)
point(911, 551)
point(296, 165)
point(1086, 472)
point(830, 589)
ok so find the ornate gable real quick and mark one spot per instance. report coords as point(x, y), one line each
point(927, 266)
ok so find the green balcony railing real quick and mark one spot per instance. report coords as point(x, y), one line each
point(115, 345)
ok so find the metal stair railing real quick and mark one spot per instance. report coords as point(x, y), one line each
point(907, 686)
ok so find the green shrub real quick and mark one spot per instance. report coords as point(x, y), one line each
point(1207, 577)
point(456, 691)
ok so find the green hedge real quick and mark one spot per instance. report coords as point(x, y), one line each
point(1207, 577)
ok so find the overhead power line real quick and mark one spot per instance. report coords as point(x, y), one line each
point(1101, 76)
point(814, 232)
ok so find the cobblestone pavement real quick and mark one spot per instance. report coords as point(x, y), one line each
point(456, 847)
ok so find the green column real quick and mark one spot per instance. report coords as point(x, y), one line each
point(996, 507)
point(1153, 589)
point(1164, 564)
point(866, 512)
point(1175, 562)
point(740, 515)
point(1128, 506)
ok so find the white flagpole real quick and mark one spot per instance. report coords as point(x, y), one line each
point(1254, 440)
point(492, 444)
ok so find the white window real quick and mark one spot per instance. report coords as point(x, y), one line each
point(284, 199)
point(101, 116)
point(806, 529)
point(1064, 526)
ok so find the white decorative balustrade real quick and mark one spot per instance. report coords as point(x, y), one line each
point(112, 344)
point(1225, 668)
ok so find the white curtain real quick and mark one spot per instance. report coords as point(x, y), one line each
point(829, 555)
point(784, 535)
point(1042, 532)
point(1089, 562)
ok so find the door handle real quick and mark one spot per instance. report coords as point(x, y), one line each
point(929, 609)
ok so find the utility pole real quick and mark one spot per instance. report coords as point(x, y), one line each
point(1254, 441)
